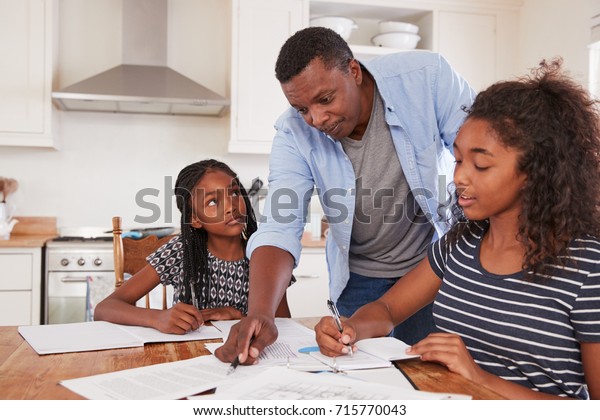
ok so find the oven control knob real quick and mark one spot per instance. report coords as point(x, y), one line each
point(64, 262)
point(81, 261)
point(97, 262)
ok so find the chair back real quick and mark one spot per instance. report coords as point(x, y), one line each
point(130, 255)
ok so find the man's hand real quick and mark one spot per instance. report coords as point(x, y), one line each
point(260, 329)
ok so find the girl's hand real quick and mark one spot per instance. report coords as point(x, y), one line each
point(450, 351)
point(331, 342)
point(216, 314)
point(180, 319)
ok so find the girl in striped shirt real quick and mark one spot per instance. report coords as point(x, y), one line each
point(516, 280)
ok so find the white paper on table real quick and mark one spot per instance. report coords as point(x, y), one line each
point(390, 375)
point(292, 338)
point(277, 383)
point(372, 353)
point(359, 360)
point(387, 348)
point(101, 335)
point(162, 381)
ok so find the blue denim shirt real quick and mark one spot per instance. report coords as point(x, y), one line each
point(423, 98)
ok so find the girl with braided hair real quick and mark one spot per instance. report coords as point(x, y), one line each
point(516, 281)
point(205, 263)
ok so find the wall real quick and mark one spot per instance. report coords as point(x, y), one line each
point(104, 160)
point(551, 28)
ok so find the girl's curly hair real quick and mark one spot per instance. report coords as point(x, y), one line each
point(555, 124)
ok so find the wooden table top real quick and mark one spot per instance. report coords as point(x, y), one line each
point(26, 375)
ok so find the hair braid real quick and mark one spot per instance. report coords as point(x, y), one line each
point(196, 269)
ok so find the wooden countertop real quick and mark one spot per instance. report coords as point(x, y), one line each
point(31, 232)
point(309, 242)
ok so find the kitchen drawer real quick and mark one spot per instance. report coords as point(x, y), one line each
point(16, 271)
point(308, 296)
point(16, 309)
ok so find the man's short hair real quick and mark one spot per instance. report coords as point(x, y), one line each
point(310, 43)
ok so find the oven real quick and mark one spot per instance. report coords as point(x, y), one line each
point(79, 272)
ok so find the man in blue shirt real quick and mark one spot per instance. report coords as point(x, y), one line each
point(374, 139)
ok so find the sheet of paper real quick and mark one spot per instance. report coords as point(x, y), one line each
point(358, 360)
point(151, 335)
point(100, 335)
point(387, 348)
point(278, 383)
point(390, 375)
point(290, 350)
point(164, 381)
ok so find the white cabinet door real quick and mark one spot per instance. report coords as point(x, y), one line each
point(26, 73)
point(308, 296)
point(468, 42)
point(260, 27)
point(20, 286)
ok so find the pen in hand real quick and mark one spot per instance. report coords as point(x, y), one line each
point(236, 362)
point(338, 322)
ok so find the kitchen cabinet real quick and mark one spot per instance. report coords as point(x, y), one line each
point(478, 39)
point(308, 296)
point(20, 285)
point(259, 29)
point(26, 36)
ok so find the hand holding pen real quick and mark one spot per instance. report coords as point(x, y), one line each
point(338, 322)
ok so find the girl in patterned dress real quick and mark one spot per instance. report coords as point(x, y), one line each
point(205, 264)
point(516, 280)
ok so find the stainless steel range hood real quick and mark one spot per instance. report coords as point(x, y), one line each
point(143, 83)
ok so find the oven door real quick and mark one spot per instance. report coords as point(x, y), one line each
point(68, 298)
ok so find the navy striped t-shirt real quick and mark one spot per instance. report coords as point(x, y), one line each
point(524, 331)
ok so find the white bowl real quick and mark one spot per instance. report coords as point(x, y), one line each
point(342, 25)
point(399, 40)
point(397, 26)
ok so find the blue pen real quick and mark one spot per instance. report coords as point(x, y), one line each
point(336, 318)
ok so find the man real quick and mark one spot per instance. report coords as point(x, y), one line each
point(373, 138)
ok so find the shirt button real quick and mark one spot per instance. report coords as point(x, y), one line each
point(344, 247)
point(347, 221)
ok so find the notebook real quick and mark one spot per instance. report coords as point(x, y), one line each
point(372, 353)
point(102, 335)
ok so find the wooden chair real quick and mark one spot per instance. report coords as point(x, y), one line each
point(130, 255)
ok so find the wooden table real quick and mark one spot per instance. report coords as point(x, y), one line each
point(26, 375)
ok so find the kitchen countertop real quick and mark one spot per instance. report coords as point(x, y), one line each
point(309, 242)
point(31, 232)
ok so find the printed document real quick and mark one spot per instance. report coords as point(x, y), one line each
point(163, 381)
point(277, 383)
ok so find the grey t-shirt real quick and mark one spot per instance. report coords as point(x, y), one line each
point(390, 233)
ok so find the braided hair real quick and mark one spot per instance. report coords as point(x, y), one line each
point(196, 270)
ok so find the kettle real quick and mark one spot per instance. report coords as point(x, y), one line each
point(6, 220)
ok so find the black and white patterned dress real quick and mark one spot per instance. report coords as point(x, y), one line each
point(228, 285)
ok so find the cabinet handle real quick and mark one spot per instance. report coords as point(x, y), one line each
point(306, 276)
point(73, 279)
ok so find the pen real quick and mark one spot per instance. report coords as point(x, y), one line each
point(236, 361)
point(336, 318)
